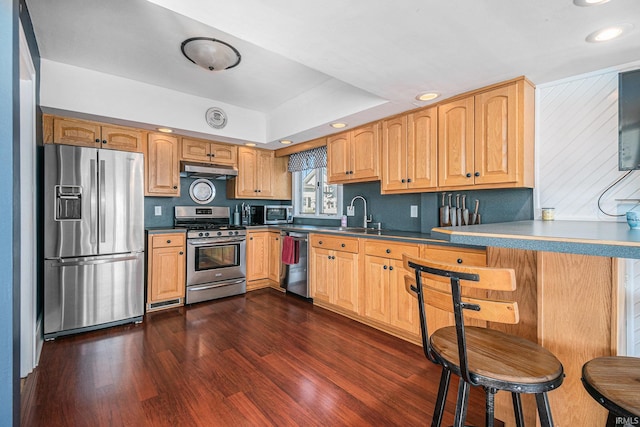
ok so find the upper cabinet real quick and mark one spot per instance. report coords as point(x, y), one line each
point(354, 156)
point(199, 150)
point(161, 165)
point(61, 130)
point(261, 175)
point(486, 140)
point(409, 152)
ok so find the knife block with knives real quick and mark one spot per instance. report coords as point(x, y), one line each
point(452, 216)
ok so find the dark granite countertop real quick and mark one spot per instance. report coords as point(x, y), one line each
point(600, 238)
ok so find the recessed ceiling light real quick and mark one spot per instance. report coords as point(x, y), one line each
point(609, 33)
point(338, 125)
point(585, 3)
point(427, 96)
point(285, 141)
point(250, 144)
point(165, 130)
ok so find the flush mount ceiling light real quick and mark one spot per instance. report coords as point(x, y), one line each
point(609, 33)
point(338, 125)
point(285, 141)
point(427, 96)
point(212, 54)
point(586, 3)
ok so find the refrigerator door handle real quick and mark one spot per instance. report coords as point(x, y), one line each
point(93, 202)
point(72, 262)
point(103, 201)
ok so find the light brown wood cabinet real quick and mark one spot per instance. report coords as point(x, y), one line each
point(85, 133)
point(486, 140)
point(409, 152)
point(257, 255)
point(334, 272)
point(199, 150)
point(166, 267)
point(354, 156)
point(385, 298)
point(162, 174)
point(275, 263)
point(261, 175)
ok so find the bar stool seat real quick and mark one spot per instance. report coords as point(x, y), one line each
point(614, 382)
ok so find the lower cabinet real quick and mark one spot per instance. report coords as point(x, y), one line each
point(275, 262)
point(385, 298)
point(334, 272)
point(263, 259)
point(166, 269)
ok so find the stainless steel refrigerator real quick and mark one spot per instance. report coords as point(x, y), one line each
point(94, 239)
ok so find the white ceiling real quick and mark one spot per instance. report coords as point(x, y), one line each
point(378, 49)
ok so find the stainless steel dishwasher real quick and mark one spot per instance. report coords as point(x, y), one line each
point(294, 277)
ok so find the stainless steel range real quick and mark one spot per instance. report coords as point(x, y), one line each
point(216, 265)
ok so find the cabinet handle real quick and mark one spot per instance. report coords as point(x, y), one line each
point(328, 256)
point(208, 154)
point(477, 174)
point(168, 241)
point(277, 239)
point(384, 266)
point(351, 172)
point(250, 238)
point(390, 267)
point(97, 139)
point(181, 253)
point(104, 141)
point(343, 245)
point(175, 187)
point(320, 242)
point(346, 172)
point(408, 179)
point(213, 154)
point(388, 251)
point(403, 180)
point(459, 260)
point(468, 175)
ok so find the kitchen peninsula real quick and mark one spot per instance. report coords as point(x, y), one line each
point(570, 296)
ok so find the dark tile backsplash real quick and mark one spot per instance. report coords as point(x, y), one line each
point(393, 211)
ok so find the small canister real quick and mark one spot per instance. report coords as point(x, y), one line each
point(548, 214)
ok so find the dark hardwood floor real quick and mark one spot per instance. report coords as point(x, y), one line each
point(260, 359)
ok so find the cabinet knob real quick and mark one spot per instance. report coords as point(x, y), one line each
point(320, 242)
point(346, 172)
point(390, 267)
point(403, 180)
point(328, 256)
point(468, 175)
point(277, 239)
point(208, 154)
point(181, 253)
point(459, 260)
point(408, 179)
point(175, 187)
point(477, 174)
point(213, 154)
point(97, 139)
point(351, 172)
point(168, 241)
point(388, 251)
point(343, 245)
point(104, 141)
point(384, 266)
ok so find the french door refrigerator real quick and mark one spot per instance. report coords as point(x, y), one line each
point(93, 239)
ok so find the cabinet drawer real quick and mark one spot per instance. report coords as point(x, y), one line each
point(454, 255)
point(344, 244)
point(167, 240)
point(392, 250)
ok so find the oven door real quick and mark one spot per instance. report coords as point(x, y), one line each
point(215, 259)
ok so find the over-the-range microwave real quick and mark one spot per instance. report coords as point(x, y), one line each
point(271, 214)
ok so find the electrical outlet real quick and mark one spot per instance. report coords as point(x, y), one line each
point(351, 211)
point(158, 210)
point(414, 211)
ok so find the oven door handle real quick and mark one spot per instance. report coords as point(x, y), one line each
point(214, 242)
point(217, 285)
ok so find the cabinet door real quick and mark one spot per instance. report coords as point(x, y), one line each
point(196, 150)
point(376, 289)
point(321, 279)
point(167, 267)
point(455, 143)
point(345, 291)
point(222, 154)
point(403, 305)
point(264, 176)
point(282, 188)
point(76, 132)
point(119, 138)
point(365, 153)
point(161, 163)
point(338, 158)
point(274, 257)
point(247, 168)
point(496, 141)
point(394, 154)
point(257, 255)
point(422, 144)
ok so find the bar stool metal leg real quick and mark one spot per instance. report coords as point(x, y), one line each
point(438, 411)
point(489, 412)
point(517, 409)
point(461, 405)
point(544, 412)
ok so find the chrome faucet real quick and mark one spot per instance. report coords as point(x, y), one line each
point(366, 219)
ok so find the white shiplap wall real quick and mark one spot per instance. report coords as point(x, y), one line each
point(577, 159)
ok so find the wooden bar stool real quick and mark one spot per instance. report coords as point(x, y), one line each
point(614, 382)
point(480, 356)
